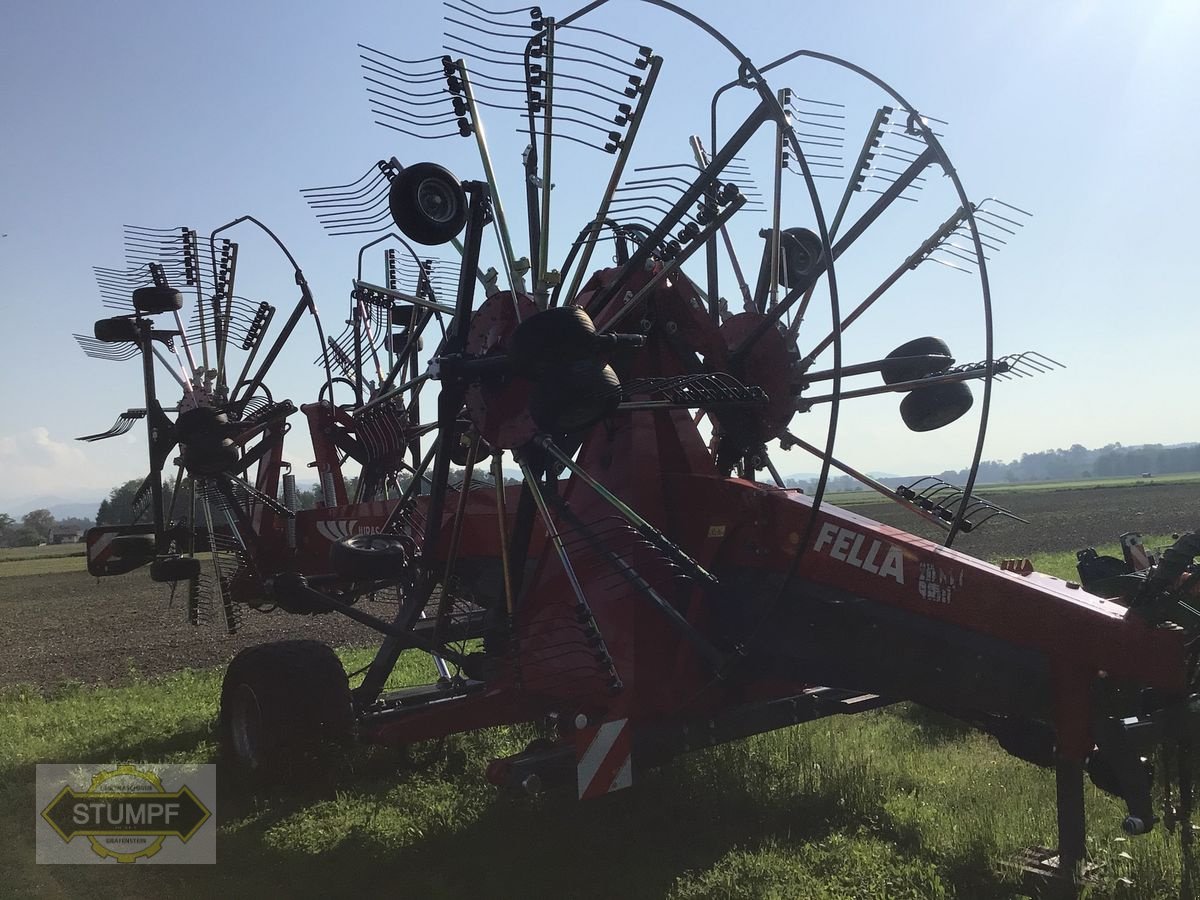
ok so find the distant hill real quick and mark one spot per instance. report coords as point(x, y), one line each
point(1071, 464)
point(59, 507)
point(1076, 463)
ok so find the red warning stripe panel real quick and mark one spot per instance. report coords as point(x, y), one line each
point(604, 761)
point(100, 550)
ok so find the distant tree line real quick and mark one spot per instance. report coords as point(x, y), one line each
point(118, 508)
point(1072, 464)
point(1078, 462)
point(38, 526)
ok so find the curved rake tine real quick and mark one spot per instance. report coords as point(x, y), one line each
point(320, 197)
point(566, 137)
point(950, 498)
point(912, 488)
point(522, 34)
point(1036, 365)
point(265, 499)
point(1021, 367)
point(1012, 515)
point(558, 88)
point(616, 37)
point(124, 422)
point(987, 518)
point(639, 63)
point(112, 352)
point(1050, 364)
point(617, 92)
point(403, 62)
point(402, 109)
point(391, 72)
point(334, 221)
point(1046, 359)
point(144, 230)
point(992, 512)
point(348, 230)
point(339, 188)
point(331, 209)
point(439, 95)
point(622, 206)
point(962, 231)
point(667, 182)
point(423, 137)
point(981, 209)
point(389, 112)
point(397, 59)
point(528, 10)
point(558, 58)
point(945, 488)
point(339, 218)
point(935, 487)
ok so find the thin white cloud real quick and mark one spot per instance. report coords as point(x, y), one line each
point(34, 463)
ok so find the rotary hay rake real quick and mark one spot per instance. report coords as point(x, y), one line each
point(639, 586)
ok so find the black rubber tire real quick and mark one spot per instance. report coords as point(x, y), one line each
point(554, 337)
point(117, 330)
point(134, 546)
point(910, 371)
point(572, 397)
point(933, 407)
point(209, 457)
point(157, 300)
point(460, 444)
point(280, 704)
point(413, 197)
point(800, 257)
point(174, 568)
point(369, 556)
point(200, 423)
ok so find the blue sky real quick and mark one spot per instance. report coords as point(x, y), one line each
point(162, 114)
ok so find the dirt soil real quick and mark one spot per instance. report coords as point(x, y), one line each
point(1062, 519)
point(72, 626)
point(76, 627)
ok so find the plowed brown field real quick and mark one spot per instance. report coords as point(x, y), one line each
point(72, 626)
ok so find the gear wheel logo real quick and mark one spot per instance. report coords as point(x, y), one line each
point(126, 814)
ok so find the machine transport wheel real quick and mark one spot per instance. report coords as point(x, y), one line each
point(174, 568)
point(575, 396)
point(930, 408)
point(460, 443)
point(428, 203)
point(369, 556)
point(911, 370)
point(802, 253)
point(209, 457)
point(200, 423)
point(279, 703)
point(116, 330)
point(134, 546)
point(157, 300)
point(552, 338)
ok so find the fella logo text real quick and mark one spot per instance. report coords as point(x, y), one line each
point(877, 557)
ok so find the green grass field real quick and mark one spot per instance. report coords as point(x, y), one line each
point(42, 560)
point(855, 498)
point(49, 551)
point(896, 803)
point(1062, 565)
